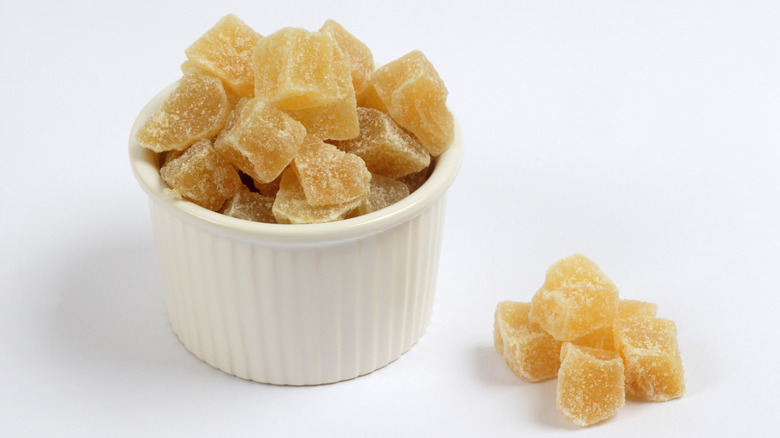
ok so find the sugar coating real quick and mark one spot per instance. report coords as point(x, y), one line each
point(337, 120)
point(384, 193)
point(531, 353)
point(603, 337)
point(291, 206)
point(250, 206)
point(226, 51)
point(202, 176)
point(329, 176)
point(575, 299)
point(652, 358)
point(262, 142)
point(294, 69)
point(357, 54)
point(590, 385)
point(197, 108)
point(410, 90)
point(387, 149)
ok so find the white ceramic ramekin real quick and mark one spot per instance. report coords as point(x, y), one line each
point(297, 304)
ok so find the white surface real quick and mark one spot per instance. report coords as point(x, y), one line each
point(643, 136)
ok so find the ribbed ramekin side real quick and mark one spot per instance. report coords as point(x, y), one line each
point(299, 315)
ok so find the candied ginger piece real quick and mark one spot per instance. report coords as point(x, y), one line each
point(410, 90)
point(291, 206)
point(330, 176)
point(415, 180)
point(233, 117)
point(337, 120)
point(226, 51)
point(384, 193)
point(603, 337)
point(262, 142)
point(575, 299)
point(197, 108)
point(652, 358)
point(294, 69)
point(202, 176)
point(268, 189)
point(531, 353)
point(590, 386)
point(359, 56)
point(600, 338)
point(631, 308)
point(386, 148)
point(250, 206)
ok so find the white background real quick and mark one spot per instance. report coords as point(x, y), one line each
point(646, 136)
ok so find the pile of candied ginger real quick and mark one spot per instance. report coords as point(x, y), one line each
point(600, 347)
point(297, 126)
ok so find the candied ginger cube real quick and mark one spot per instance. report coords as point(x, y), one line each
point(384, 193)
point(652, 358)
point(603, 337)
point(531, 353)
point(387, 149)
point(415, 180)
point(268, 189)
point(410, 90)
point(330, 176)
point(291, 206)
point(337, 120)
point(575, 299)
point(590, 385)
point(201, 175)
point(233, 117)
point(631, 308)
point(197, 108)
point(250, 206)
point(262, 142)
point(294, 69)
point(600, 338)
point(226, 51)
point(359, 56)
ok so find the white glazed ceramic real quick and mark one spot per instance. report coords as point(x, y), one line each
point(298, 304)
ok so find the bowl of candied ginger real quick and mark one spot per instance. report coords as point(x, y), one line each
point(297, 196)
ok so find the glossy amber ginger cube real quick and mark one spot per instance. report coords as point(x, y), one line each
point(294, 69)
point(387, 149)
point(590, 386)
point(603, 337)
point(384, 193)
point(357, 54)
point(531, 353)
point(250, 206)
point(330, 176)
point(337, 120)
point(226, 51)
point(649, 349)
point(575, 299)
point(410, 90)
point(291, 206)
point(197, 108)
point(201, 175)
point(262, 142)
